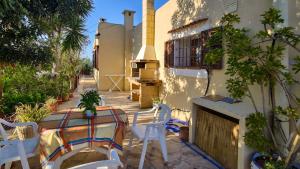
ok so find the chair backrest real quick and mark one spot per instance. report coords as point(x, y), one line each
point(162, 113)
point(102, 100)
point(3, 133)
point(19, 144)
point(106, 164)
point(113, 163)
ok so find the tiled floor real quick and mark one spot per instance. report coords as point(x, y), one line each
point(180, 156)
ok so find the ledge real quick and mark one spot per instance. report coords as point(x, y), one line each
point(237, 110)
point(202, 20)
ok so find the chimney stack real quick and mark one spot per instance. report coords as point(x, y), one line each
point(128, 24)
point(102, 19)
point(148, 22)
point(147, 51)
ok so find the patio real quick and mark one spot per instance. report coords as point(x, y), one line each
point(180, 155)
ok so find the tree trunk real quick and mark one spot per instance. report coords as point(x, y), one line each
point(1, 85)
point(208, 80)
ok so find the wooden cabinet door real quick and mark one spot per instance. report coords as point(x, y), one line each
point(217, 135)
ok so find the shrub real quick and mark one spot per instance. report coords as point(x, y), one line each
point(23, 85)
point(50, 101)
point(28, 113)
point(87, 67)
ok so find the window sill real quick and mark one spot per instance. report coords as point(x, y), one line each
point(189, 72)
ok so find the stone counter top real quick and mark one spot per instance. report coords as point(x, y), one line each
point(237, 110)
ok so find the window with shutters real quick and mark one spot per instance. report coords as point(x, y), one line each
point(189, 52)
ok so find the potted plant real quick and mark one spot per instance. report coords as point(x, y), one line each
point(257, 60)
point(157, 100)
point(66, 96)
point(52, 104)
point(59, 100)
point(71, 95)
point(28, 113)
point(88, 102)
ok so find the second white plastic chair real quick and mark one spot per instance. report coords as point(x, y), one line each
point(152, 131)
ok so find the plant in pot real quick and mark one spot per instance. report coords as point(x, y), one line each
point(28, 113)
point(88, 102)
point(63, 86)
point(157, 100)
point(257, 61)
point(52, 104)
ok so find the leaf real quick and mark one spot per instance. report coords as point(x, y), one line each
point(272, 17)
point(296, 65)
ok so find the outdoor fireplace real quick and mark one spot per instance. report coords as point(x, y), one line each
point(144, 83)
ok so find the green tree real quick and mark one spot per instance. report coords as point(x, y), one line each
point(31, 31)
point(21, 35)
point(257, 60)
point(65, 26)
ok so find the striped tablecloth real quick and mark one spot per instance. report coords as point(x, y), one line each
point(67, 131)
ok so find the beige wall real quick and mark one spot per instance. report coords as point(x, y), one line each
point(137, 40)
point(111, 53)
point(178, 90)
point(180, 86)
point(294, 21)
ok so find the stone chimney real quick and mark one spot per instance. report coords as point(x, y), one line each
point(128, 24)
point(147, 51)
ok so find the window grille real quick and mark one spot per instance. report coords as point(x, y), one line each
point(189, 52)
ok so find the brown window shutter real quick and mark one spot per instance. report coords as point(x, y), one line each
point(169, 54)
point(166, 55)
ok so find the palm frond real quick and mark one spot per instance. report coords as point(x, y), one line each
point(74, 38)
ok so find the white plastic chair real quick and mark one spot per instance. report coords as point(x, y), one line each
point(17, 149)
point(102, 100)
point(152, 131)
point(113, 163)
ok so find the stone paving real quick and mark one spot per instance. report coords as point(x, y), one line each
point(180, 156)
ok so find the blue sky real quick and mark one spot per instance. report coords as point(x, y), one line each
point(112, 11)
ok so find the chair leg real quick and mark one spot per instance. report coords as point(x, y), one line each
point(163, 146)
point(141, 164)
point(8, 165)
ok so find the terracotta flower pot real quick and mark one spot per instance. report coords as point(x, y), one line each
point(53, 107)
point(59, 100)
point(66, 98)
point(71, 95)
point(184, 133)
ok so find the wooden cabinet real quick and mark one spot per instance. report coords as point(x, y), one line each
point(217, 135)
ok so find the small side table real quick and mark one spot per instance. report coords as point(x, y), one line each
point(115, 79)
